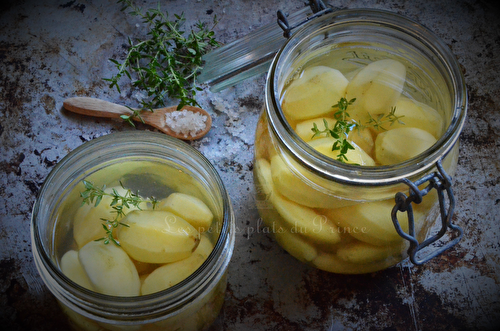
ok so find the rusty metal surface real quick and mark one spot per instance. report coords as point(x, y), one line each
point(51, 50)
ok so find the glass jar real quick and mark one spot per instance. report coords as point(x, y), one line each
point(155, 165)
point(348, 218)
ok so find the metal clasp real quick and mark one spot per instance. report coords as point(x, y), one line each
point(318, 8)
point(442, 183)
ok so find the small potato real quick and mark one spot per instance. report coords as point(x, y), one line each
point(418, 115)
point(332, 263)
point(305, 221)
point(205, 246)
point(296, 246)
point(72, 268)
point(314, 93)
point(155, 236)
point(360, 252)
point(296, 186)
point(401, 144)
point(110, 270)
point(192, 209)
point(171, 274)
point(354, 156)
point(376, 88)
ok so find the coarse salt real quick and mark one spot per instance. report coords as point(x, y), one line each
point(185, 122)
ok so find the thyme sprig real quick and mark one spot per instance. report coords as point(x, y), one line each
point(167, 62)
point(380, 120)
point(345, 125)
point(340, 130)
point(94, 195)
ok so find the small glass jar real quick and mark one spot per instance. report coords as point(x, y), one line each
point(344, 218)
point(155, 165)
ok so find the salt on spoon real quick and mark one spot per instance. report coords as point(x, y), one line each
point(189, 123)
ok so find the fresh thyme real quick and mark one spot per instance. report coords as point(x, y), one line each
point(381, 119)
point(93, 195)
point(340, 130)
point(166, 63)
point(344, 125)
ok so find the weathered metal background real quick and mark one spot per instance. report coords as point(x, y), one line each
point(51, 50)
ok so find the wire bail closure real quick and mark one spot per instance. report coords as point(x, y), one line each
point(440, 181)
point(318, 8)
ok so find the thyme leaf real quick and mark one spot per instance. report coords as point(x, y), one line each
point(93, 195)
point(166, 63)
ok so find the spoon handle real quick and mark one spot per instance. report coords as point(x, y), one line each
point(95, 107)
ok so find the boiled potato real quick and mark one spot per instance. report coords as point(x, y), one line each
point(371, 222)
point(363, 139)
point(87, 225)
point(295, 245)
point(314, 93)
point(354, 156)
point(157, 236)
point(72, 268)
point(305, 221)
point(401, 144)
point(190, 208)
point(376, 88)
point(332, 263)
point(418, 115)
point(297, 218)
point(173, 273)
point(295, 185)
point(109, 269)
point(360, 252)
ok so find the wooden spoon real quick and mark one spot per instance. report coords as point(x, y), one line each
point(102, 108)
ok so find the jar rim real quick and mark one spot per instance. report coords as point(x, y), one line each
point(367, 175)
point(155, 304)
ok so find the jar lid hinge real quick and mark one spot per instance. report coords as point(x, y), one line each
point(442, 183)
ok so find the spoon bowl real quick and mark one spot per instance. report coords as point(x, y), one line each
point(156, 118)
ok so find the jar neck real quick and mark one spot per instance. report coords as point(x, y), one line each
point(78, 164)
point(380, 25)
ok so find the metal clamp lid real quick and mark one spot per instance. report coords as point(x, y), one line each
point(440, 181)
point(252, 54)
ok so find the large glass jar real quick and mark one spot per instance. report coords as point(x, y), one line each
point(342, 217)
point(154, 165)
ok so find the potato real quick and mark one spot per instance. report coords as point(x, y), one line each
point(110, 270)
point(297, 218)
point(418, 115)
point(205, 247)
point(370, 222)
point(332, 263)
point(173, 273)
point(304, 129)
point(72, 268)
point(296, 186)
point(401, 144)
point(360, 252)
point(305, 221)
point(363, 139)
point(157, 236)
point(376, 88)
point(314, 93)
point(296, 245)
point(263, 179)
point(190, 208)
point(354, 156)
point(87, 224)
